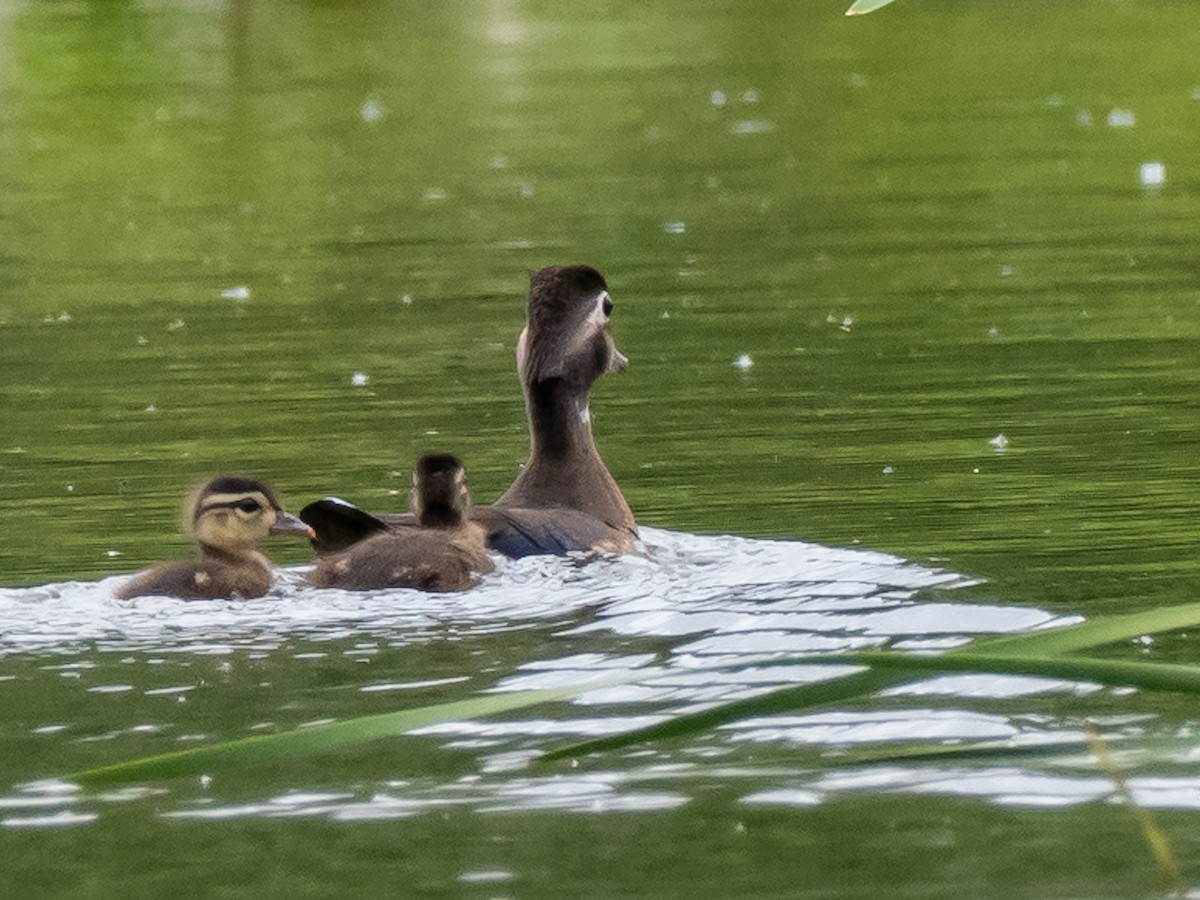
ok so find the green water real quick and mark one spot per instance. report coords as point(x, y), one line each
point(924, 227)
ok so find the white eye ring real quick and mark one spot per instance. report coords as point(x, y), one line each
point(604, 306)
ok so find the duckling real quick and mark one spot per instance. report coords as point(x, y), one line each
point(564, 499)
point(445, 551)
point(228, 517)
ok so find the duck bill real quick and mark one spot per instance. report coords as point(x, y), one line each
point(617, 361)
point(286, 523)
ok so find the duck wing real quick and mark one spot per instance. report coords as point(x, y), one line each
point(520, 531)
point(512, 531)
point(339, 524)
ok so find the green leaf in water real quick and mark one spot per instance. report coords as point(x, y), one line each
point(1041, 751)
point(1112, 672)
point(903, 667)
point(1043, 644)
point(803, 696)
point(862, 7)
point(1038, 750)
point(1030, 654)
point(319, 738)
point(1083, 636)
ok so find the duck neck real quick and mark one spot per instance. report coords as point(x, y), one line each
point(564, 468)
point(237, 557)
point(441, 515)
point(560, 423)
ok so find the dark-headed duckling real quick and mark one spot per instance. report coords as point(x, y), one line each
point(228, 517)
point(444, 551)
point(564, 499)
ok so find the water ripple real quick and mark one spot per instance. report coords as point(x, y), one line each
point(683, 585)
point(668, 619)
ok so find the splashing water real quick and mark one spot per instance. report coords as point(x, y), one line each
point(686, 606)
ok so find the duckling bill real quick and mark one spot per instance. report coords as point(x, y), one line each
point(444, 551)
point(228, 517)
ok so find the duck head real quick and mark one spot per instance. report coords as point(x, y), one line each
point(439, 495)
point(234, 515)
point(566, 335)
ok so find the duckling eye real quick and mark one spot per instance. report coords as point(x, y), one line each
point(607, 305)
point(248, 505)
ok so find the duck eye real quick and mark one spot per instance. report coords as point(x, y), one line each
point(248, 505)
point(607, 305)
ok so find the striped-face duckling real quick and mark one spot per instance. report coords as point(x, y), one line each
point(443, 551)
point(228, 517)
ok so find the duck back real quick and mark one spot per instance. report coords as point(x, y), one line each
point(414, 557)
point(206, 579)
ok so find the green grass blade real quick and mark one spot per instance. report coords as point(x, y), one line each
point(889, 669)
point(1108, 630)
point(1014, 654)
point(1112, 672)
point(803, 696)
point(862, 7)
point(1046, 643)
point(1044, 751)
point(1075, 751)
point(319, 738)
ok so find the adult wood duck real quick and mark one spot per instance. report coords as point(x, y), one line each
point(565, 498)
point(443, 551)
point(228, 517)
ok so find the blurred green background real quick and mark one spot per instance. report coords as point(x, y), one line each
point(292, 239)
point(925, 227)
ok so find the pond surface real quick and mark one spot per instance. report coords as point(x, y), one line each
point(913, 309)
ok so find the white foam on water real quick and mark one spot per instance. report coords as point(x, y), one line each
point(691, 621)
